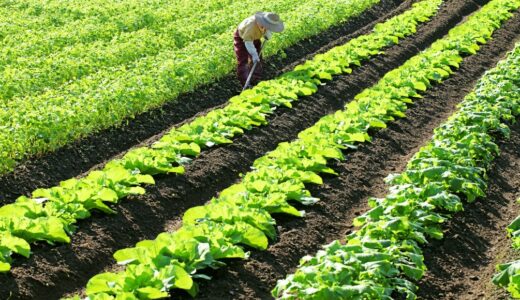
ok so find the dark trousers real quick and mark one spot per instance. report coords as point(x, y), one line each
point(244, 60)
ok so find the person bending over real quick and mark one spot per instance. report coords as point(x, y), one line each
point(247, 42)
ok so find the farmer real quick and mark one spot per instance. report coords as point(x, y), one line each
point(247, 42)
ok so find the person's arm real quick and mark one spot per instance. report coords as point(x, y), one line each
point(250, 46)
point(268, 34)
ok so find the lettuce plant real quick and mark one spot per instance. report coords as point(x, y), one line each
point(508, 275)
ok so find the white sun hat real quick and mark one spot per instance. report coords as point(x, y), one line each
point(270, 20)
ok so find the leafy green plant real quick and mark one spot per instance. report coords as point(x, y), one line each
point(75, 198)
point(508, 276)
point(280, 177)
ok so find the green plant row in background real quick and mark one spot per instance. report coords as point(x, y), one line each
point(51, 213)
point(38, 30)
point(508, 275)
point(383, 257)
point(241, 215)
point(28, 75)
point(43, 122)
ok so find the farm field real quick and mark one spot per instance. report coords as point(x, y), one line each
point(234, 189)
point(57, 89)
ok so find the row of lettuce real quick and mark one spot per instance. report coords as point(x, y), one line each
point(51, 214)
point(383, 258)
point(64, 95)
point(508, 275)
point(242, 214)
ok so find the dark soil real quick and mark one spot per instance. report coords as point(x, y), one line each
point(80, 156)
point(462, 264)
point(54, 271)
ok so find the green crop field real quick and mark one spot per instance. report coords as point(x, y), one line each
point(377, 157)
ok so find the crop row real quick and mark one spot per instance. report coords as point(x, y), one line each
point(383, 257)
point(241, 214)
point(50, 214)
point(29, 75)
point(36, 17)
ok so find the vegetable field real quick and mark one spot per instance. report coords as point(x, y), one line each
point(378, 158)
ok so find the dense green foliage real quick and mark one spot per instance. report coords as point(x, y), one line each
point(51, 213)
point(96, 67)
point(241, 215)
point(383, 257)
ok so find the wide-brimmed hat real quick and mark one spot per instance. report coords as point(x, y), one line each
point(270, 20)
